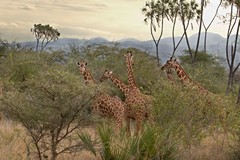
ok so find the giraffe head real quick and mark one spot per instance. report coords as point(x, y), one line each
point(129, 57)
point(82, 66)
point(86, 74)
point(170, 64)
point(106, 75)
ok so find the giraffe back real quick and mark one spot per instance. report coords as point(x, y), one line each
point(111, 107)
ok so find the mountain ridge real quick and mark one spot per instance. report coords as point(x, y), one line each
point(215, 44)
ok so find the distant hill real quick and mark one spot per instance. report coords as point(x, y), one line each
point(215, 44)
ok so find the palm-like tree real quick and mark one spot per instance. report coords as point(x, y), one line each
point(155, 13)
point(187, 12)
point(234, 22)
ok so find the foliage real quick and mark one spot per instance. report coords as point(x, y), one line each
point(152, 144)
point(101, 58)
point(51, 103)
point(45, 93)
point(189, 117)
point(207, 70)
point(156, 12)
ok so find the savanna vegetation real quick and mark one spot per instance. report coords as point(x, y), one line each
point(46, 108)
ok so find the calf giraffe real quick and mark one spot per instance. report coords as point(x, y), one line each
point(135, 101)
point(104, 104)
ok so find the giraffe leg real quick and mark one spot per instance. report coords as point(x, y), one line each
point(128, 125)
point(117, 127)
point(138, 126)
point(118, 124)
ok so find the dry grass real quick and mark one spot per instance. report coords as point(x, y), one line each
point(13, 146)
point(214, 147)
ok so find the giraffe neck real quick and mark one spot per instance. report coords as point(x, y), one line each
point(88, 77)
point(185, 79)
point(131, 79)
point(122, 86)
point(170, 78)
point(182, 74)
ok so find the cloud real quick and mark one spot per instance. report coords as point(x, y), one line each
point(70, 6)
point(26, 7)
point(83, 32)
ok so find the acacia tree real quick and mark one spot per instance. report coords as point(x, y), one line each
point(45, 33)
point(53, 107)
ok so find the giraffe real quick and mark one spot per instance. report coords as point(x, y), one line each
point(134, 89)
point(131, 79)
point(172, 65)
point(104, 104)
point(187, 81)
point(135, 101)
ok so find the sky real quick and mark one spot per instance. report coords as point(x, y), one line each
point(110, 19)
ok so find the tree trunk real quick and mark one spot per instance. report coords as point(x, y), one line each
point(199, 31)
point(186, 37)
point(205, 41)
point(232, 70)
point(37, 45)
point(158, 59)
point(156, 41)
point(230, 82)
point(238, 98)
point(53, 146)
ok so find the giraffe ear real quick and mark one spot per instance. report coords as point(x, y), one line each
point(78, 63)
point(86, 63)
point(110, 72)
